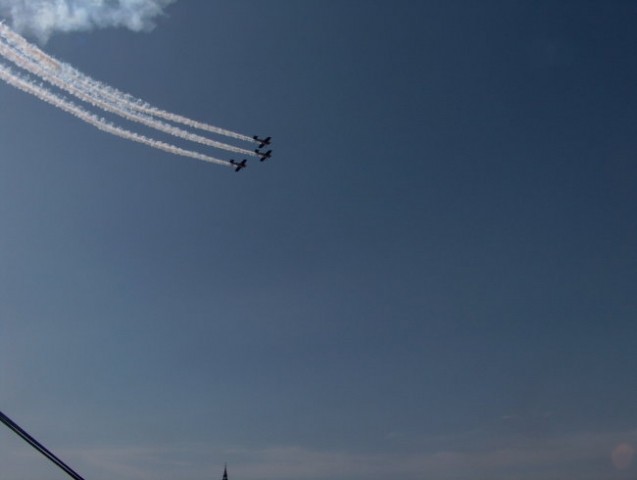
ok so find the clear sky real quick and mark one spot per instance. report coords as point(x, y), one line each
point(434, 277)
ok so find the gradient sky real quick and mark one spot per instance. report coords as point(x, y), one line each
point(435, 277)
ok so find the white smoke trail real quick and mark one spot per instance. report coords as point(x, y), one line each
point(26, 85)
point(29, 65)
point(136, 104)
point(107, 93)
point(20, 43)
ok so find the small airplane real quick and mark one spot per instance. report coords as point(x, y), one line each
point(238, 165)
point(263, 141)
point(263, 155)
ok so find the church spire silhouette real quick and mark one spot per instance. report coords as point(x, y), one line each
point(225, 472)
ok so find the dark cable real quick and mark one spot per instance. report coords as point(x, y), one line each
point(38, 446)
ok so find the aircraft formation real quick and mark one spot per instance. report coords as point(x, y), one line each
point(30, 61)
point(238, 166)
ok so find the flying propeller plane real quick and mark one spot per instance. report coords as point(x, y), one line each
point(238, 165)
point(263, 155)
point(263, 141)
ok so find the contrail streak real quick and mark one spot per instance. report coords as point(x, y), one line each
point(33, 67)
point(26, 85)
point(17, 50)
point(108, 93)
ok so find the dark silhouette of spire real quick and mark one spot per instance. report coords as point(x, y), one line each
point(225, 472)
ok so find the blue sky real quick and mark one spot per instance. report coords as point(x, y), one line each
point(434, 277)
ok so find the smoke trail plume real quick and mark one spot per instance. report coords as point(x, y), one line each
point(33, 67)
point(43, 17)
point(125, 102)
point(29, 58)
point(26, 85)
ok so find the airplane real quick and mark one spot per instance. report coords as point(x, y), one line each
point(239, 165)
point(263, 155)
point(263, 141)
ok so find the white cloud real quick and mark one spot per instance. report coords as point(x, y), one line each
point(43, 17)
